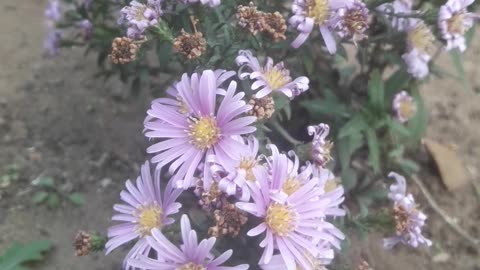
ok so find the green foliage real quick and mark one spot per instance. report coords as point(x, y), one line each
point(16, 255)
point(10, 176)
point(49, 193)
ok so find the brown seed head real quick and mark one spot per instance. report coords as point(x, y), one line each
point(228, 221)
point(402, 219)
point(190, 45)
point(250, 18)
point(124, 50)
point(263, 108)
point(363, 266)
point(82, 243)
point(275, 26)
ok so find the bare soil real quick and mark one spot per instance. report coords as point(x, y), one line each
point(57, 120)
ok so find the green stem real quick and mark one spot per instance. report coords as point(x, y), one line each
point(284, 133)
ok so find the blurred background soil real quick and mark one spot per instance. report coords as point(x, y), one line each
point(57, 120)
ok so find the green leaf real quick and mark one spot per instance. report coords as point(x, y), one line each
point(397, 127)
point(44, 181)
point(457, 61)
point(39, 197)
point(376, 91)
point(18, 254)
point(417, 125)
point(396, 82)
point(327, 106)
point(373, 149)
point(347, 146)
point(53, 200)
point(77, 199)
point(349, 179)
point(356, 125)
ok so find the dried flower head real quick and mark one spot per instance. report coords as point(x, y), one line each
point(211, 199)
point(262, 108)
point(275, 26)
point(321, 147)
point(228, 221)
point(82, 243)
point(124, 50)
point(363, 266)
point(190, 45)
point(352, 21)
point(250, 18)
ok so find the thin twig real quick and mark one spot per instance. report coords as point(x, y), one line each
point(448, 219)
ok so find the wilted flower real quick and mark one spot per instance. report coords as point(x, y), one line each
point(233, 174)
point(352, 21)
point(82, 244)
point(196, 127)
point(408, 219)
point(210, 199)
point(404, 106)
point(453, 21)
point(420, 41)
point(310, 13)
point(229, 220)
point(262, 108)
point(293, 212)
point(87, 27)
point(190, 45)
point(269, 78)
point(250, 18)
point(275, 26)
point(138, 17)
point(51, 44)
point(190, 256)
point(124, 50)
point(143, 210)
point(398, 7)
point(320, 146)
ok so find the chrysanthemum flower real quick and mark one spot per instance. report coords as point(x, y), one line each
point(420, 41)
point(232, 174)
point(352, 21)
point(404, 106)
point(269, 78)
point(308, 13)
point(143, 209)
point(453, 21)
point(401, 7)
point(409, 220)
point(190, 256)
point(138, 17)
point(293, 213)
point(192, 127)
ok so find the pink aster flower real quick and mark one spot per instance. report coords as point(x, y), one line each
point(404, 106)
point(138, 17)
point(351, 21)
point(232, 174)
point(310, 13)
point(453, 21)
point(192, 127)
point(409, 220)
point(420, 43)
point(320, 146)
point(143, 209)
point(293, 213)
point(326, 255)
point(269, 78)
point(190, 256)
point(401, 7)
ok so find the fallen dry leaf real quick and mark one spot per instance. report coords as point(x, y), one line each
point(452, 170)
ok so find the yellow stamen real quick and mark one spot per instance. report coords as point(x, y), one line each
point(291, 185)
point(455, 24)
point(149, 217)
point(203, 132)
point(276, 79)
point(191, 266)
point(248, 164)
point(422, 38)
point(318, 10)
point(407, 109)
point(280, 219)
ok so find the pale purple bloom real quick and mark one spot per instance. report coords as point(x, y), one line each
point(269, 78)
point(190, 255)
point(87, 27)
point(351, 21)
point(308, 13)
point(326, 255)
point(232, 175)
point(192, 126)
point(52, 41)
point(453, 21)
point(320, 146)
point(404, 106)
point(420, 41)
point(138, 17)
point(211, 3)
point(53, 12)
point(143, 209)
point(417, 63)
point(293, 213)
point(401, 7)
point(406, 211)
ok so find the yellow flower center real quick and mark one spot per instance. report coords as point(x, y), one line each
point(330, 185)
point(149, 217)
point(276, 79)
point(203, 132)
point(455, 24)
point(291, 185)
point(191, 266)
point(318, 10)
point(422, 38)
point(407, 109)
point(280, 219)
point(248, 164)
point(139, 12)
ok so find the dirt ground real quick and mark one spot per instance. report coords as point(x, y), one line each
point(57, 120)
